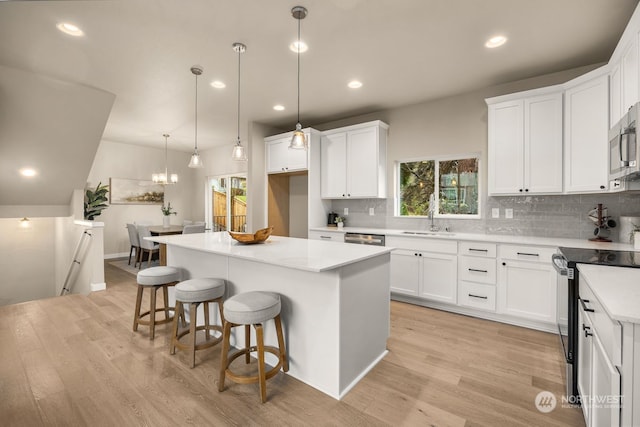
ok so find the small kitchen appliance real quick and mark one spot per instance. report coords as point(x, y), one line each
point(331, 222)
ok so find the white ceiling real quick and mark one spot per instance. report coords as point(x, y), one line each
point(404, 52)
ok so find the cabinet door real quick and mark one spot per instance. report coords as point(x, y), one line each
point(439, 277)
point(362, 163)
point(506, 169)
point(405, 272)
point(605, 384)
point(586, 136)
point(277, 156)
point(629, 64)
point(543, 144)
point(585, 364)
point(333, 165)
point(615, 94)
point(527, 290)
point(297, 159)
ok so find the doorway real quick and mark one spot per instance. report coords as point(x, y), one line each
point(227, 203)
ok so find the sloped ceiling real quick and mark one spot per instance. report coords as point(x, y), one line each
point(51, 126)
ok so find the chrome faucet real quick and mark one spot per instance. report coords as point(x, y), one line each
point(432, 210)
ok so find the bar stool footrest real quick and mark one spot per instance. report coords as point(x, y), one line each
point(244, 379)
point(147, 322)
point(206, 344)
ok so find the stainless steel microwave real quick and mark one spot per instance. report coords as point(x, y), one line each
point(624, 162)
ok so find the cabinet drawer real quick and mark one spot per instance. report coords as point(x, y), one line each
point(331, 236)
point(478, 249)
point(477, 295)
point(526, 253)
point(423, 244)
point(608, 330)
point(476, 269)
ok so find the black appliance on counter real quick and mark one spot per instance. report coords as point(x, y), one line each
point(331, 221)
point(565, 262)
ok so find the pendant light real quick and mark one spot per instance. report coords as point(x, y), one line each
point(239, 152)
point(298, 140)
point(195, 161)
point(165, 178)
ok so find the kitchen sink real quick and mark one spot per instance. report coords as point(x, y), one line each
point(429, 233)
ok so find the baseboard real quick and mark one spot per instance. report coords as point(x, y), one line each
point(98, 287)
point(118, 255)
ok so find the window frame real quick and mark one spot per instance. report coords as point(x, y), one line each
point(437, 159)
point(209, 201)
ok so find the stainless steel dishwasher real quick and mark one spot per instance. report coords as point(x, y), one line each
point(364, 239)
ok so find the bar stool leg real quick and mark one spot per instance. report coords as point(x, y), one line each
point(226, 335)
point(165, 295)
point(136, 316)
point(261, 373)
point(193, 310)
point(283, 351)
point(174, 328)
point(247, 343)
point(152, 313)
point(207, 333)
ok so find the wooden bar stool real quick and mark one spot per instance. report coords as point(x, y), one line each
point(154, 278)
point(195, 292)
point(252, 308)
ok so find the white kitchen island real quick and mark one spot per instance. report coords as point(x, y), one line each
point(335, 298)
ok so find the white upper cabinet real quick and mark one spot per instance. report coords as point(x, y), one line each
point(282, 159)
point(586, 134)
point(629, 65)
point(525, 143)
point(353, 161)
point(615, 94)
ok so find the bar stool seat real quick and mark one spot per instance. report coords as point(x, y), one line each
point(246, 309)
point(195, 292)
point(154, 278)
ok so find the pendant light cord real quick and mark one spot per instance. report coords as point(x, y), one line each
point(196, 110)
point(239, 55)
point(298, 49)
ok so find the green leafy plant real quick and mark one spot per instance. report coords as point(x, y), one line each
point(339, 220)
point(168, 210)
point(95, 201)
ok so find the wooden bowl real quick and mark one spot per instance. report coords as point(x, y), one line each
point(248, 238)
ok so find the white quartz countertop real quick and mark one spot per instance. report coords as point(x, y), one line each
point(617, 288)
point(495, 238)
point(301, 254)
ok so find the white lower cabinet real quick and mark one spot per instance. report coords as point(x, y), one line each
point(527, 283)
point(424, 268)
point(477, 295)
point(329, 236)
point(599, 354)
point(477, 275)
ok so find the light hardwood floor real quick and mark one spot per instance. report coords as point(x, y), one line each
point(74, 361)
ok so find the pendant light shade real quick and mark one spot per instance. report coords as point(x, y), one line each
point(298, 140)
point(165, 178)
point(196, 161)
point(239, 152)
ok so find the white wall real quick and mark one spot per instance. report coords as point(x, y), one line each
point(117, 160)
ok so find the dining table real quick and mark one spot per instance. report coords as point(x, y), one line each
point(161, 230)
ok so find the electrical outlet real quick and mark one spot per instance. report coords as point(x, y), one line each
point(371, 212)
point(495, 212)
point(346, 211)
point(508, 213)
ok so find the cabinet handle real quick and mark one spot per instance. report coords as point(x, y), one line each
point(521, 190)
point(602, 187)
point(504, 263)
point(528, 254)
point(348, 195)
point(584, 306)
point(477, 296)
point(325, 237)
point(343, 195)
point(587, 334)
point(477, 271)
point(526, 190)
point(478, 250)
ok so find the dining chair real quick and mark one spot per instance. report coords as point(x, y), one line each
point(134, 240)
point(146, 245)
point(191, 229)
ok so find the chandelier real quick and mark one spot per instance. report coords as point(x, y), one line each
point(165, 178)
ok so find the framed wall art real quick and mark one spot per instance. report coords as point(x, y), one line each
point(135, 192)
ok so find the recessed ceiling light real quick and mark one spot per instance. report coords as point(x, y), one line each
point(278, 107)
point(70, 29)
point(298, 46)
point(355, 84)
point(28, 172)
point(495, 41)
point(218, 84)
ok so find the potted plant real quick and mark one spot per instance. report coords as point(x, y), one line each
point(94, 201)
point(167, 211)
point(340, 221)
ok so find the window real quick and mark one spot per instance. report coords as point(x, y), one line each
point(454, 181)
point(227, 203)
